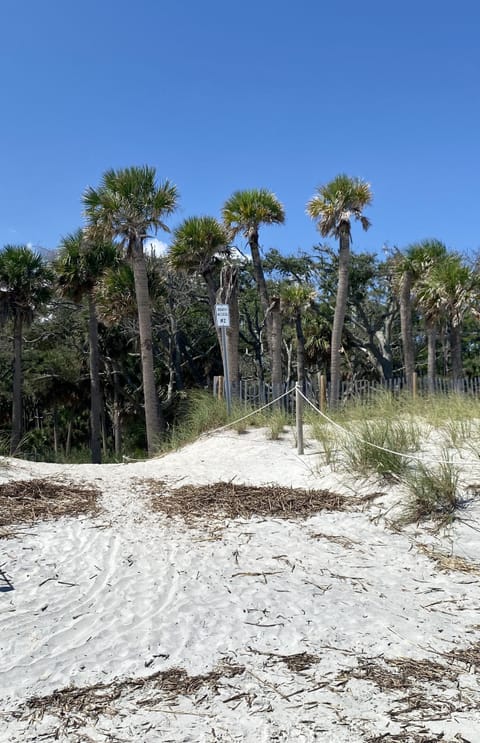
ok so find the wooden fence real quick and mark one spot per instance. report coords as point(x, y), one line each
point(254, 393)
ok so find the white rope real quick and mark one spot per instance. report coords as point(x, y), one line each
point(129, 460)
point(253, 412)
point(382, 448)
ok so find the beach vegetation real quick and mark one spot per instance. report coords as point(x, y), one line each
point(128, 206)
point(380, 446)
point(433, 493)
point(333, 205)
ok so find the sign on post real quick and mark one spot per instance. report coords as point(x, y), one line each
point(222, 315)
point(222, 321)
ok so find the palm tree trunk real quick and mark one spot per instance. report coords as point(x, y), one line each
point(258, 270)
point(233, 334)
point(276, 347)
point(176, 377)
point(104, 429)
point(212, 300)
point(288, 372)
point(262, 289)
point(300, 352)
point(17, 384)
point(95, 394)
point(153, 416)
point(340, 310)
point(117, 428)
point(406, 328)
point(68, 440)
point(431, 358)
point(55, 429)
point(456, 354)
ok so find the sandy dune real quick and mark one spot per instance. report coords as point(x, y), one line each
point(283, 630)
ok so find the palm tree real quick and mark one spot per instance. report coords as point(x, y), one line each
point(196, 247)
point(25, 285)
point(333, 205)
point(296, 298)
point(127, 206)
point(243, 213)
point(200, 247)
point(455, 291)
point(80, 265)
point(410, 267)
point(228, 294)
point(420, 261)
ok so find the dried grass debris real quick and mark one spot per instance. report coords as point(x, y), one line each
point(28, 501)
point(401, 673)
point(90, 702)
point(296, 662)
point(411, 737)
point(469, 657)
point(449, 562)
point(420, 703)
point(299, 662)
point(232, 500)
point(344, 542)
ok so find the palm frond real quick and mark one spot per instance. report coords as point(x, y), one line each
point(335, 202)
point(25, 281)
point(129, 204)
point(246, 210)
point(196, 242)
point(81, 261)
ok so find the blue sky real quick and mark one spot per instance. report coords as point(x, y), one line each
point(221, 96)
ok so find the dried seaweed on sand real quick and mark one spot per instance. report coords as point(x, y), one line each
point(450, 562)
point(90, 702)
point(410, 737)
point(27, 501)
point(401, 673)
point(469, 657)
point(344, 542)
point(232, 500)
point(296, 662)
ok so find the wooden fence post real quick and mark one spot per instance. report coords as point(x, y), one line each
point(218, 387)
point(299, 418)
point(414, 385)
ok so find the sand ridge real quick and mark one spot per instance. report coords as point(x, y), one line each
point(116, 598)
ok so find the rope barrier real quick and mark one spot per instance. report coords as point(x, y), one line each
point(377, 446)
point(253, 412)
point(333, 423)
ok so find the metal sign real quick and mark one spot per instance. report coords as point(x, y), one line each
point(222, 315)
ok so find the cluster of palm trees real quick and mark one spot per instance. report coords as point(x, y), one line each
point(438, 284)
point(101, 262)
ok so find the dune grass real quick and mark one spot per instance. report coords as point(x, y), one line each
point(432, 494)
point(376, 438)
point(330, 440)
point(201, 412)
point(380, 446)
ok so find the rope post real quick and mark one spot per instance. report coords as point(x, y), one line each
point(299, 417)
point(414, 385)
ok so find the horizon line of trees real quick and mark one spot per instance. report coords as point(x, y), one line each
point(99, 344)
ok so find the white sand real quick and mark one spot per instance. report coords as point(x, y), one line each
point(130, 593)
